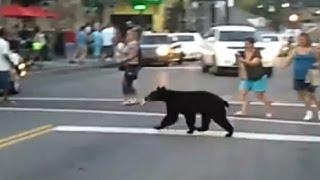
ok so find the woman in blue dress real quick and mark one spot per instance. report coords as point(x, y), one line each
point(304, 58)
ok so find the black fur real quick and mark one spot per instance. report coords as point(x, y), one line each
point(209, 105)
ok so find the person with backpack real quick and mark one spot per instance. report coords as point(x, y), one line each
point(129, 60)
point(253, 77)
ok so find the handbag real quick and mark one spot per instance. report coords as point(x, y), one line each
point(122, 67)
point(131, 73)
point(313, 77)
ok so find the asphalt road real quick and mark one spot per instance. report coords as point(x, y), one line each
point(80, 131)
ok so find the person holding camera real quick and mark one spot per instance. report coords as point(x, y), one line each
point(253, 78)
point(128, 56)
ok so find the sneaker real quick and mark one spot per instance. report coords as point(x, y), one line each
point(308, 116)
point(131, 101)
point(269, 115)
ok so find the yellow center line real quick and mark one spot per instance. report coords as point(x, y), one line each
point(14, 139)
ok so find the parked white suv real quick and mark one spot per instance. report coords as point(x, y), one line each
point(227, 41)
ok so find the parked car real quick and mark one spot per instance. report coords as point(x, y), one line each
point(277, 41)
point(228, 40)
point(159, 48)
point(193, 46)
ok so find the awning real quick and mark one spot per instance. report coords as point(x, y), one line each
point(18, 11)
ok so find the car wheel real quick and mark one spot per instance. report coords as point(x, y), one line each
point(215, 70)
point(205, 69)
point(180, 61)
point(14, 87)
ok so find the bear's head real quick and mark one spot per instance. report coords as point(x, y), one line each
point(160, 94)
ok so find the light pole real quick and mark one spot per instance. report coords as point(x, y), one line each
point(227, 20)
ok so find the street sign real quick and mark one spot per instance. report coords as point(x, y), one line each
point(140, 7)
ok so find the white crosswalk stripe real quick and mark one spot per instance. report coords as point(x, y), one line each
point(177, 132)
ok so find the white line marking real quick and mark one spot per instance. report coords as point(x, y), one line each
point(280, 104)
point(149, 114)
point(237, 135)
point(174, 68)
point(84, 111)
point(66, 99)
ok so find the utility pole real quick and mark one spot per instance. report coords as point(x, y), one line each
point(227, 10)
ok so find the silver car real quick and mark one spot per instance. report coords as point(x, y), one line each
point(159, 48)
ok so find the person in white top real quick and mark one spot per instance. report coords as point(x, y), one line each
point(108, 35)
point(5, 66)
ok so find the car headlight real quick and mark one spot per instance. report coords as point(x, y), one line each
point(23, 73)
point(21, 66)
point(285, 48)
point(163, 50)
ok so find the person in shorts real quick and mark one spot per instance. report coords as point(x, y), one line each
point(304, 58)
point(253, 78)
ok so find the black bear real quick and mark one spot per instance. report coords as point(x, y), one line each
point(209, 105)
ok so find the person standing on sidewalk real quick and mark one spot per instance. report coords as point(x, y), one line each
point(39, 44)
point(130, 60)
point(5, 67)
point(96, 37)
point(253, 78)
point(108, 37)
point(81, 42)
point(305, 58)
point(70, 44)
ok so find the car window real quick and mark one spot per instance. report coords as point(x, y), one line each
point(155, 39)
point(185, 38)
point(210, 33)
point(270, 38)
point(235, 35)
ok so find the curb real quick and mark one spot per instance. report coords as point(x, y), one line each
point(72, 69)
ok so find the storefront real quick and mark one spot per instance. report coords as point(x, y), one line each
point(152, 18)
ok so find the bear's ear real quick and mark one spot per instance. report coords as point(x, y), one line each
point(158, 88)
point(163, 88)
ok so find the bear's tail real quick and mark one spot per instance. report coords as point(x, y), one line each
point(226, 103)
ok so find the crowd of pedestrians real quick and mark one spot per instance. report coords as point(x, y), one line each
point(89, 39)
point(108, 43)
